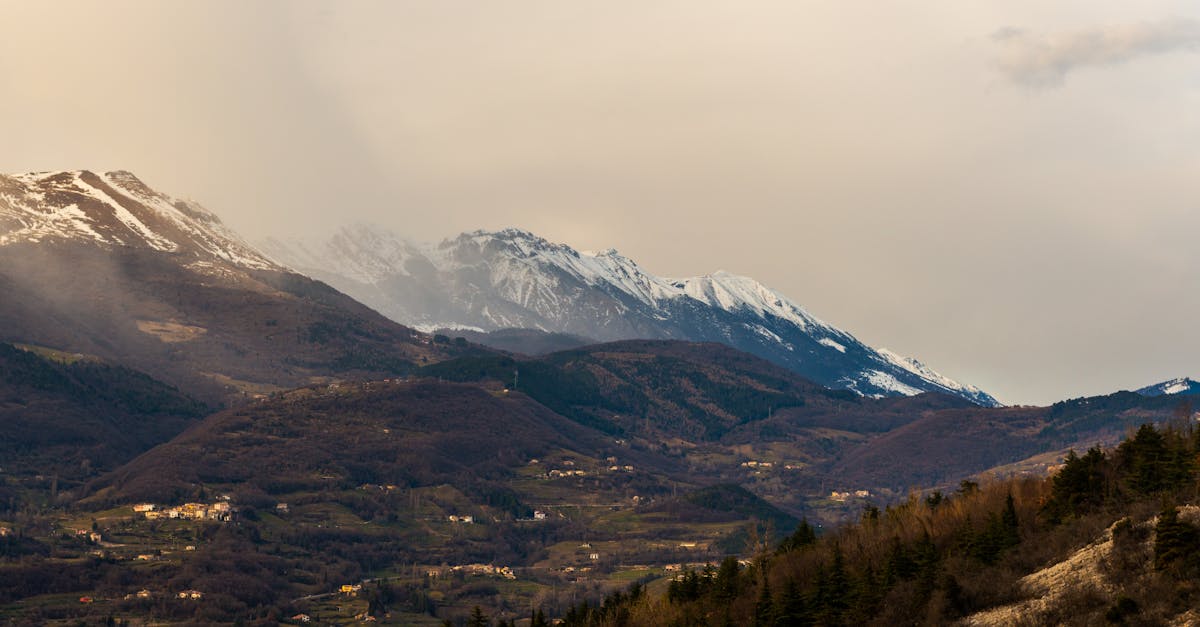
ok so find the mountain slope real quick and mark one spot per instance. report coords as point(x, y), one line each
point(72, 418)
point(493, 280)
point(401, 433)
point(100, 264)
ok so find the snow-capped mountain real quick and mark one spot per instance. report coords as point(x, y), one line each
point(492, 280)
point(115, 209)
point(101, 264)
point(1181, 386)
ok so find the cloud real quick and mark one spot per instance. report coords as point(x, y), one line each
point(1045, 60)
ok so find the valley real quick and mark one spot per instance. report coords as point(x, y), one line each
point(194, 432)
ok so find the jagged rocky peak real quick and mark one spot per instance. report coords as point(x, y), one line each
point(491, 280)
point(115, 209)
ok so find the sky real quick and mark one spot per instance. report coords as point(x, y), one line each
point(1008, 191)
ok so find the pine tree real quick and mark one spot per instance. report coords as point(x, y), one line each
point(790, 609)
point(803, 536)
point(1079, 485)
point(1012, 526)
point(1144, 458)
point(764, 608)
point(833, 589)
point(867, 592)
point(477, 618)
point(725, 586)
point(1176, 543)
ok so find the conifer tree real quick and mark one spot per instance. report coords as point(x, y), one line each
point(1176, 543)
point(790, 609)
point(764, 608)
point(726, 583)
point(477, 618)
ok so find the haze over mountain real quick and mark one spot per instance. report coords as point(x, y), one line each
point(491, 280)
point(571, 469)
point(100, 264)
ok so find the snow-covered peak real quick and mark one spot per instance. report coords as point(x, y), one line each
point(1180, 386)
point(513, 278)
point(513, 239)
point(114, 209)
point(723, 290)
point(927, 373)
point(732, 292)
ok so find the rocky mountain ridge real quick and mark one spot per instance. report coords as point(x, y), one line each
point(486, 281)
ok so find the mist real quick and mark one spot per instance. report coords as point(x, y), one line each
point(1006, 192)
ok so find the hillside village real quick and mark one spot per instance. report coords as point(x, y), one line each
point(220, 511)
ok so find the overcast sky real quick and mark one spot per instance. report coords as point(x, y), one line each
point(1008, 190)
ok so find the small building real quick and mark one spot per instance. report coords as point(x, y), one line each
point(86, 599)
point(144, 594)
point(593, 556)
point(302, 618)
point(194, 595)
point(539, 514)
point(281, 508)
point(142, 508)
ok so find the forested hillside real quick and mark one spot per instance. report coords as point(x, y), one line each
point(1109, 538)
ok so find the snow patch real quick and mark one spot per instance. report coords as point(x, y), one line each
point(885, 381)
point(430, 327)
point(1177, 386)
point(832, 344)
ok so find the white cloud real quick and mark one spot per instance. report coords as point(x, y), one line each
point(1045, 60)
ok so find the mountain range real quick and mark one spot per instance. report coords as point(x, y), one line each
point(149, 354)
point(488, 281)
